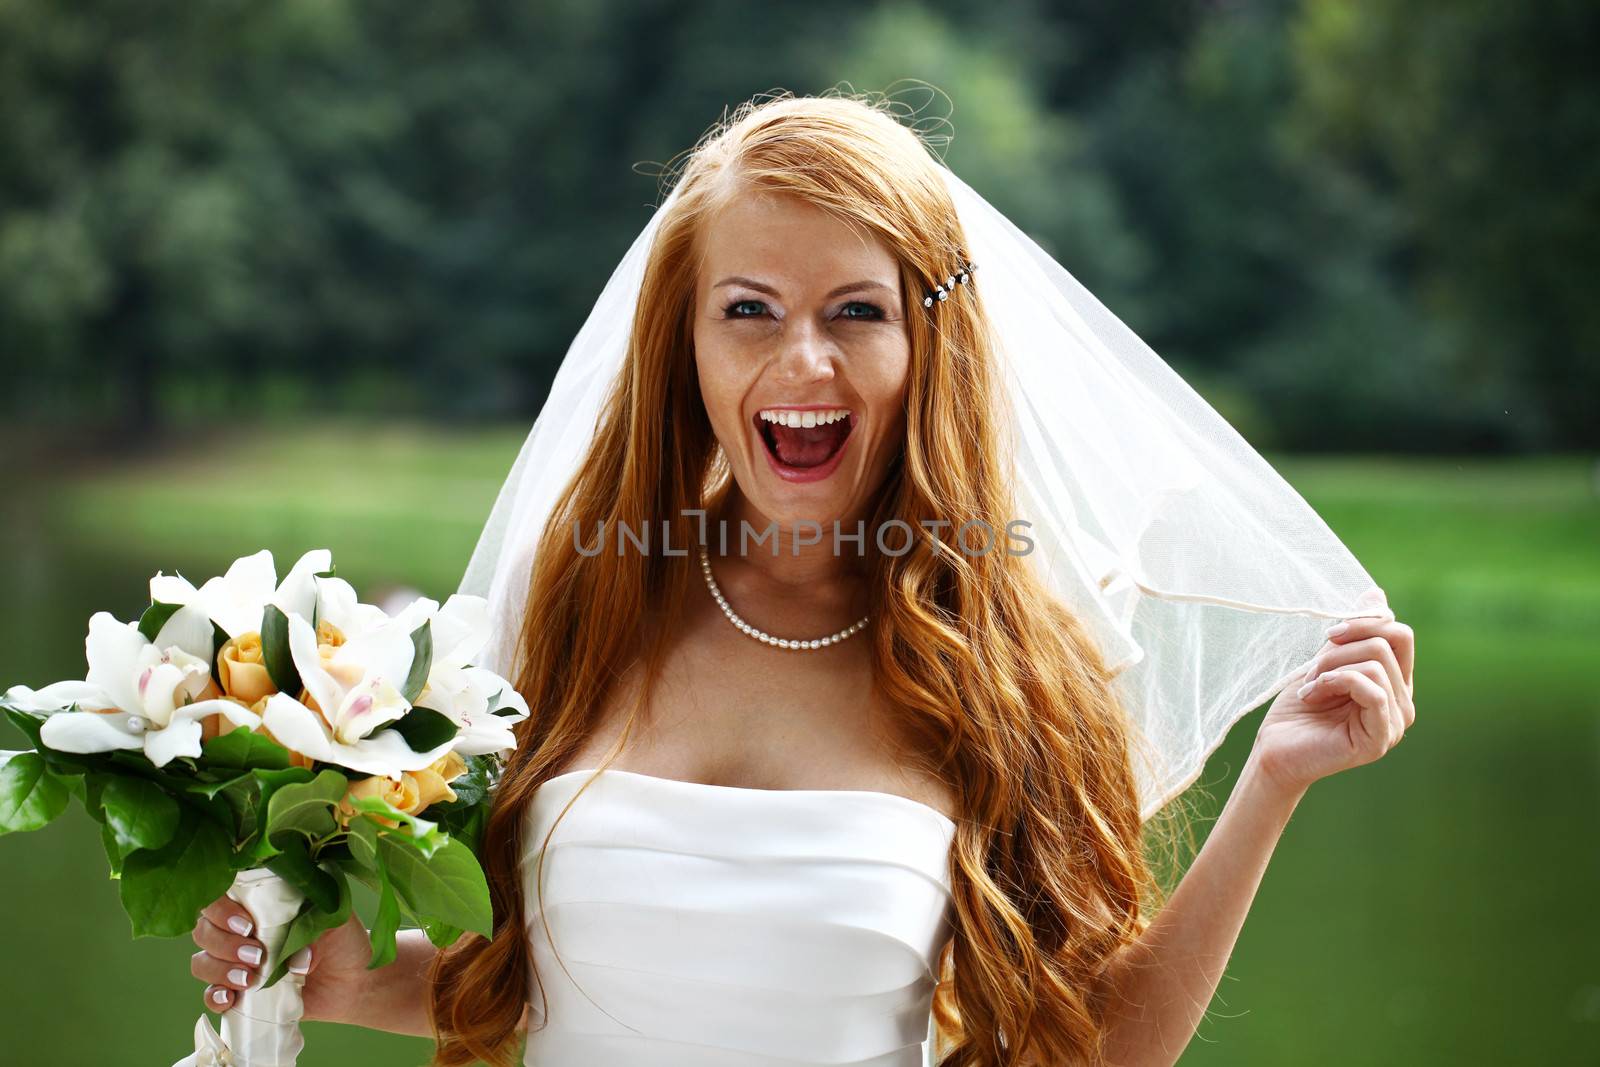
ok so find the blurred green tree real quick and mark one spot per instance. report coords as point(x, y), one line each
point(364, 205)
point(1481, 121)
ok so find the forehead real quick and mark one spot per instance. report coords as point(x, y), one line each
point(780, 237)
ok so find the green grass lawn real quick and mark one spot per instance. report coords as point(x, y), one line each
point(1436, 907)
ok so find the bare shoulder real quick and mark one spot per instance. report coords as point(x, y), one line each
point(908, 764)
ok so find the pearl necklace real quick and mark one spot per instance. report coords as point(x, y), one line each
point(762, 635)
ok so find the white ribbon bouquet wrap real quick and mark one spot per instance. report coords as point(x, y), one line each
point(271, 741)
point(262, 1029)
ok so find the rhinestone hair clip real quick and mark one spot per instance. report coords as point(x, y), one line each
point(942, 292)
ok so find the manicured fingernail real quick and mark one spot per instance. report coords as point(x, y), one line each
point(1335, 631)
point(220, 996)
point(239, 976)
point(239, 925)
point(300, 962)
point(1304, 689)
point(251, 954)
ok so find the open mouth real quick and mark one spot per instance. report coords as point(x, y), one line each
point(804, 444)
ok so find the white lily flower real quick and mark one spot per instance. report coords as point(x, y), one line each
point(460, 630)
point(149, 695)
point(464, 696)
point(338, 606)
point(235, 601)
point(357, 690)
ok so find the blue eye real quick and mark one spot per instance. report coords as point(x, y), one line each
point(873, 310)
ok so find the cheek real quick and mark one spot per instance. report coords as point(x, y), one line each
point(887, 386)
point(721, 389)
point(887, 395)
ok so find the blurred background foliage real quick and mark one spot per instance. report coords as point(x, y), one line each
point(297, 274)
point(1365, 225)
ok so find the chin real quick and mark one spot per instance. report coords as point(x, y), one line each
point(787, 504)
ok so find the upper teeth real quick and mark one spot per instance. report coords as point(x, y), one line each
point(805, 418)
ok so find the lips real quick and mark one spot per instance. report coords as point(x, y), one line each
point(804, 453)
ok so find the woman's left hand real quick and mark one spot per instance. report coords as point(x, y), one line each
point(1353, 705)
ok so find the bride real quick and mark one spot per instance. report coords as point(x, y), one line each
point(809, 779)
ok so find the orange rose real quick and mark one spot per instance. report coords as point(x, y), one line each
point(328, 634)
point(413, 793)
point(433, 781)
point(243, 669)
point(402, 795)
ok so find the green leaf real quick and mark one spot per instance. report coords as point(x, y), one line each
point(138, 812)
point(210, 789)
point(155, 617)
point(421, 663)
point(506, 710)
point(164, 889)
point(422, 835)
point(271, 779)
point(385, 924)
point(469, 830)
point(133, 760)
point(275, 650)
point(243, 748)
point(240, 796)
point(464, 817)
point(294, 865)
point(95, 783)
point(219, 637)
point(448, 887)
point(443, 935)
point(312, 923)
point(362, 839)
point(305, 808)
point(74, 783)
point(247, 795)
point(30, 793)
point(64, 764)
point(27, 722)
point(354, 870)
point(424, 728)
point(251, 804)
point(260, 850)
point(115, 853)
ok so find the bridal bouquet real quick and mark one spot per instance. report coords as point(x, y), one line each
point(271, 741)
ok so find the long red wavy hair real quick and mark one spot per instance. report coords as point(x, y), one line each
point(1003, 692)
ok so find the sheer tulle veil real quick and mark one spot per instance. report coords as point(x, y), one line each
point(1207, 579)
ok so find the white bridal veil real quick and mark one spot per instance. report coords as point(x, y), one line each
point(1208, 581)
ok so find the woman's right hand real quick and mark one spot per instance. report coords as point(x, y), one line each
point(335, 965)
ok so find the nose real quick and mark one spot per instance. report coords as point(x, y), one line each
point(807, 356)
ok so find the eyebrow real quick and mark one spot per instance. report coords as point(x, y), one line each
point(848, 287)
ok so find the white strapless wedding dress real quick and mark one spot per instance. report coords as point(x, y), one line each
point(724, 926)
